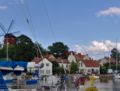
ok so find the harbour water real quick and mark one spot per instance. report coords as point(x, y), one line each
point(109, 86)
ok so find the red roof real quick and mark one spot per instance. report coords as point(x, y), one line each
point(79, 56)
point(91, 63)
point(36, 59)
point(62, 61)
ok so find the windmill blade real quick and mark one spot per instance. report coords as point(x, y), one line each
point(3, 28)
point(10, 26)
point(15, 32)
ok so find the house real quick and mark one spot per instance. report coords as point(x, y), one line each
point(80, 56)
point(63, 63)
point(105, 60)
point(50, 57)
point(71, 58)
point(43, 65)
point(46, 67)
point(86, 57)
point(89, 66)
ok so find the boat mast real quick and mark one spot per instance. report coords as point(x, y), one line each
point(116, 59)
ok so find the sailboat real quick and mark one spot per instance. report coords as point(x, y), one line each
point(3, 86)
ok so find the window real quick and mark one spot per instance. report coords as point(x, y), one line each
point(47, 64)
point(42, 65)
point(47, 71)
point(42, 71)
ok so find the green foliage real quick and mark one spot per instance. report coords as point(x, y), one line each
point(105, 67)
point(55, 67)
point(61, 70)
point(73, 67)
point(2, 53)
point(24, 49)
point(115, 54)
point(58, 49)
point(103, 70)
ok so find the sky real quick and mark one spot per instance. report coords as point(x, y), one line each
point(87, 26)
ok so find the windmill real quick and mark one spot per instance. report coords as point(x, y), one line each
point(9, 38)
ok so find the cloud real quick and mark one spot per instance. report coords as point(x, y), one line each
point(109, 12)
point(97, 47)
point(3, 7)
point(79, 48)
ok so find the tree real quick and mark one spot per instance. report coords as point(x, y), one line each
point(104, 68)
point(3, 53)
point(73, 68)
point(58, 49)
point(55, 67)
point(39, 49)
point(115, 54)
point(24, 49)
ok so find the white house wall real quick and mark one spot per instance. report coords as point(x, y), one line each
point(64, 65)
point(86, 69)
point(71, 58)
point(46, 70)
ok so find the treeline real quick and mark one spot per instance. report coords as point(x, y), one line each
point(25, 49)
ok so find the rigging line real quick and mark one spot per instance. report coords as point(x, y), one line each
point(29, 22)
point(49, 20)
point(28, 19)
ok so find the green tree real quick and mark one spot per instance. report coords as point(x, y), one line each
point(115, 54)
point(55, 67)
point(3, 53)
point(39, 49)
point(58, 49)
point(24, 49)
point(73, 67)
point(104, 68)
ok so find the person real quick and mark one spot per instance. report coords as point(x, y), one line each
point(62, 80)
point(80, 80)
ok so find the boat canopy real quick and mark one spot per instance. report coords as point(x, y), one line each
point(11, 65)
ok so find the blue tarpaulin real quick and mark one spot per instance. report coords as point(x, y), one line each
point(12, 64)
point(30, 82)
point(8, 65)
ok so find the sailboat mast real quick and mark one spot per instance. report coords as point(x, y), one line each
point(116, 57)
